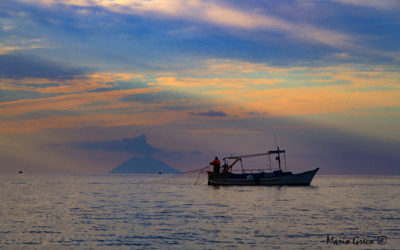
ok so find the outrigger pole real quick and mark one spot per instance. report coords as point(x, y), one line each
point(245, 156)
point(240, 157)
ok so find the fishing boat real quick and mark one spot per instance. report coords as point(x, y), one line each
point(259, 177)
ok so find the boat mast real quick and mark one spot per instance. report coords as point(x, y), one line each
point(241, 163)
point(284, 157)
point(270, 163)
point(279, 159)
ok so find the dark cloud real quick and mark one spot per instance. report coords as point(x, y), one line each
point(153, 97)
point(13, 95)
point(211, 113)
point(137, 145)
point(256, 113)
point(18, 66)
point(45, 114)
point(121, 85)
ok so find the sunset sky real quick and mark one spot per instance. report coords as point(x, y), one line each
point(184, 81)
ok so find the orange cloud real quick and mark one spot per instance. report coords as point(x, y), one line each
point(77, 84)
point(218, 66)
point(236, 88)
point(71, 102)
point(323, 90)
point(105, 108)
point(97, 120)
point(214, 82)
point(324, 100)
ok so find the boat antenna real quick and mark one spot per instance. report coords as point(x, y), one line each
point(278, 152)
point(276, 140)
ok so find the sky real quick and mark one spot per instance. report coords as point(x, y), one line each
point(87, 84)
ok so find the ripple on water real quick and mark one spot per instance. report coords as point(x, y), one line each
point(158, 212)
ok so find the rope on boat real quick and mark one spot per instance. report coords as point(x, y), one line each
point(201, 170)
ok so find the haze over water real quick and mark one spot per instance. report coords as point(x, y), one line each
point(169, 212)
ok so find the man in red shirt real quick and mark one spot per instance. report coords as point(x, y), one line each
point(217, 164)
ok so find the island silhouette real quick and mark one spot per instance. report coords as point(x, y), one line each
point(144, 165)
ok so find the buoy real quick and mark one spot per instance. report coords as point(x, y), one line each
point(250, 177)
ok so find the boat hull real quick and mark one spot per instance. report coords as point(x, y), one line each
point(262, 179)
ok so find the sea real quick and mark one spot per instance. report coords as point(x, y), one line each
point(40, 211)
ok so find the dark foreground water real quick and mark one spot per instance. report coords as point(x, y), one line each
point(169, 212)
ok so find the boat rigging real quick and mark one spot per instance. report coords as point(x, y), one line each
point(247, 177)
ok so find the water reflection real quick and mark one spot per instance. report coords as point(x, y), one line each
point(170, 211)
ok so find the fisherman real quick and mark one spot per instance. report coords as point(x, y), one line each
point(225, 167)
point(217, 164)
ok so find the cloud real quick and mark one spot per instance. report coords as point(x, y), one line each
point(215, 13)
point(95, 119)
point(154, 97)
point(10, 47)
point(210, 113)
point(85, 109)
point(33, 87)
point(136, 145)
point(234, 83)
point(17, 66)
point(100, 81)
point(376, 4)
point(292, 90)
point(253, 31)
point(258, 89)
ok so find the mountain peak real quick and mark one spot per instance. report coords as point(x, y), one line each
point(144, 165)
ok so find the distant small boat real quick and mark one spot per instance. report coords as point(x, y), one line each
point(20, 172)
point(260, 177)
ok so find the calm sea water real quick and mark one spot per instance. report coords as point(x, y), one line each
point(169, 212)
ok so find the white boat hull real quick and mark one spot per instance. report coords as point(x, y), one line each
point(262, 179)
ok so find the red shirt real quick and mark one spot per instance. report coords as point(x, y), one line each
point(217, 162)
